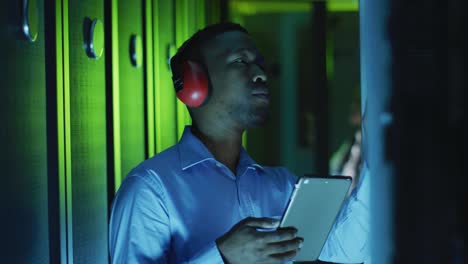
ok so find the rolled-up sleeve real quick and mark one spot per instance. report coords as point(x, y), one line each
point(139, 230)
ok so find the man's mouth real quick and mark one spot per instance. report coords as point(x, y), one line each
point(261, 94)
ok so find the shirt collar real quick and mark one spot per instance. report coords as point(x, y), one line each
point(245, 161)
point(192, 152)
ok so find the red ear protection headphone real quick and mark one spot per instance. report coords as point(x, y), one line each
point(192, 87)
point(191, 81)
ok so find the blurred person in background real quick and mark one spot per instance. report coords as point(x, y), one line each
point(347, 159)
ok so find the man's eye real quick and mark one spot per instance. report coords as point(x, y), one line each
point(240, 60)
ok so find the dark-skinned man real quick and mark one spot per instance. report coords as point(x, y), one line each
point(205, 200)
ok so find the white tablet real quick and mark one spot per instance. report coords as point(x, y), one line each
point(312, 209)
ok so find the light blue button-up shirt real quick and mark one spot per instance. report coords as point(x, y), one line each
point(172, 207)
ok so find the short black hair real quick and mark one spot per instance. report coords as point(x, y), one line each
point(191, 48)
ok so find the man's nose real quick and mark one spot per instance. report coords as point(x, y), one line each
point(259, 74)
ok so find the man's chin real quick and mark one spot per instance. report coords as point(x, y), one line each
point(259, 119)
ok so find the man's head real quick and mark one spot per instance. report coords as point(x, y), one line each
point(238, 93)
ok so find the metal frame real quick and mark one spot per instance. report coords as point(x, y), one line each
point(63, 131)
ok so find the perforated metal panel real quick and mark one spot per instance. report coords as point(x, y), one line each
point(23, 141)
point(87, 138)
point(164, 47)
point(131, 87)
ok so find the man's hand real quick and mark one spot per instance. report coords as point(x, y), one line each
point(245, 244)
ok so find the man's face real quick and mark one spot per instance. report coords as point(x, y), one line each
point(240, 97)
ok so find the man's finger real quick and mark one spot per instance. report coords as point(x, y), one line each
point(283, 257)
point(279, 235)
point(284, 246)
point(263, 222)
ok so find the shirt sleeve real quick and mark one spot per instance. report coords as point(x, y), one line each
point(348, 239)
point(139, 230)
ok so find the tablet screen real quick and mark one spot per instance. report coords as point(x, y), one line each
point(312, 209)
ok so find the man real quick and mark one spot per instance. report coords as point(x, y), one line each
point(205, 200)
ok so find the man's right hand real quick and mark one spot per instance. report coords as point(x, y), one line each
point(245, 244)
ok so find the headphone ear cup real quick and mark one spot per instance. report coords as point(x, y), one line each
point(195, 88)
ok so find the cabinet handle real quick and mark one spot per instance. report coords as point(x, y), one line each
point(171, 50)
point(136, 51)
point(95, 45)
point(30, 20)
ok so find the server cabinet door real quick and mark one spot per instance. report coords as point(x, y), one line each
point(23, 140)
point(165, 99)
point(85, 100)
point(128, 87)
